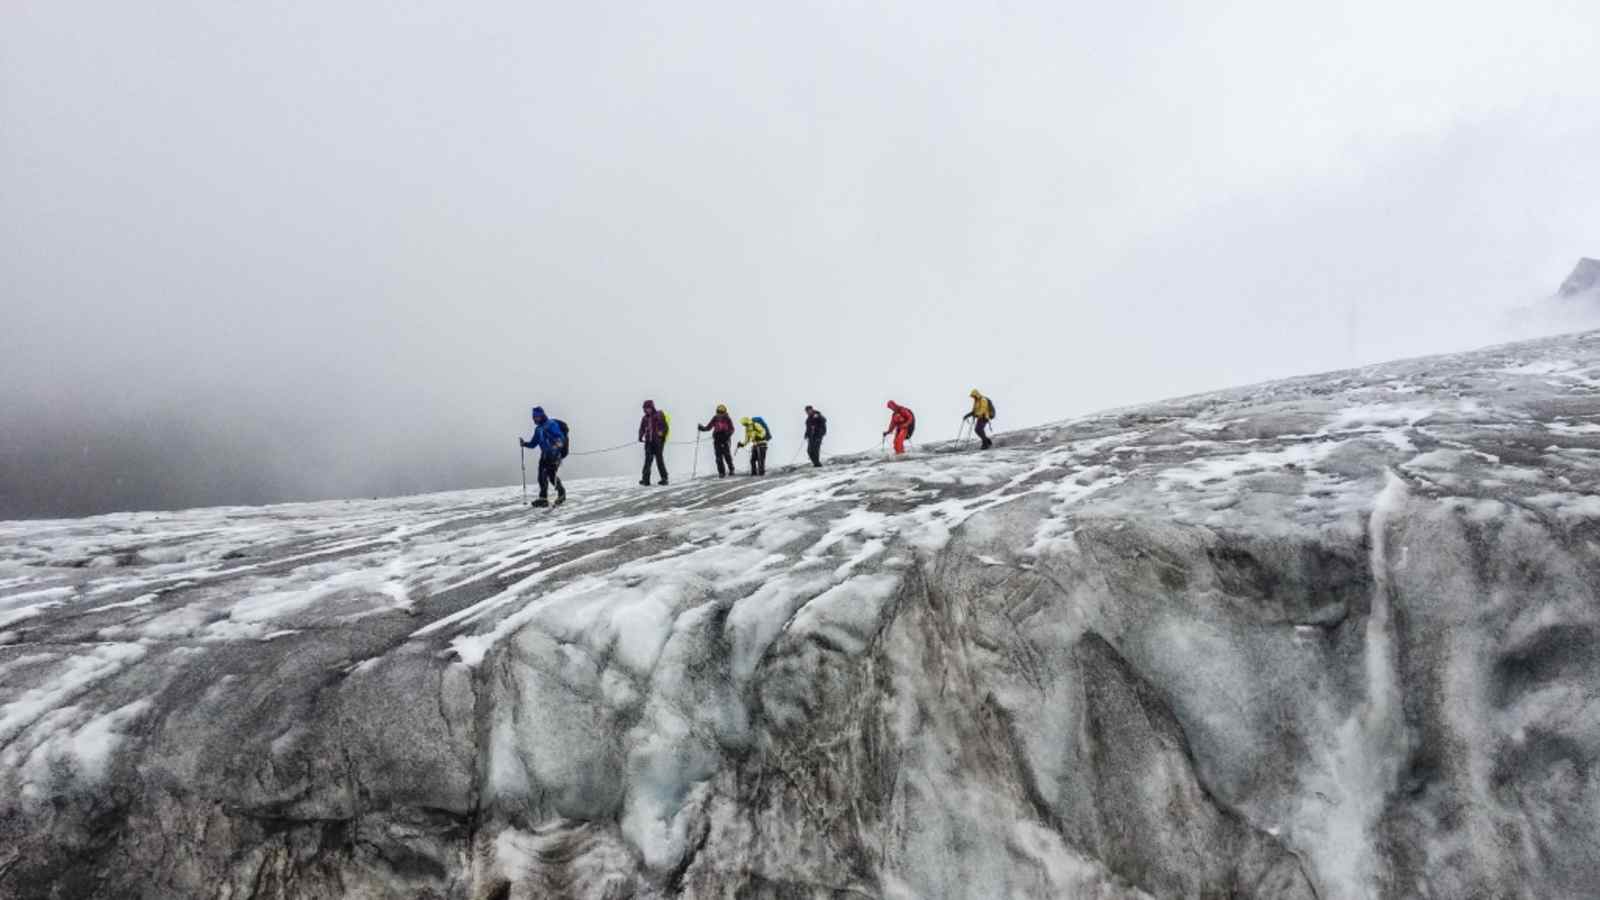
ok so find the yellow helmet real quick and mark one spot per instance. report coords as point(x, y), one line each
point(722, 408)
point(975, 394)
point(745, 421)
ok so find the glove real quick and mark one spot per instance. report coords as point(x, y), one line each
point(740, 447)
point(970, 416)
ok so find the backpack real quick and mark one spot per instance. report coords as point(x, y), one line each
point(666, 417)
point(566, 437)
point(766, 433)
point(821, 427)
point(911, 426)
point(993, 413)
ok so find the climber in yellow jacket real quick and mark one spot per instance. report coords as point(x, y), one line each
point(756, 434)
point(982, 411)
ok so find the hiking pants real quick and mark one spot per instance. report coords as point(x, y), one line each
point(814, 449)
point(982, 428)
point(547, 476)
point(758, 458)
point(724, 452)
point(652, 451)
point(899, 440)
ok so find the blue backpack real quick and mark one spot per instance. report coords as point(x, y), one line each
point(764, 427)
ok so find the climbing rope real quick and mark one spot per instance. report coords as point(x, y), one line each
point(604, 449)
point(633, 443)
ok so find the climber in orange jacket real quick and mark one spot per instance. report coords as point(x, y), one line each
point(902, 422)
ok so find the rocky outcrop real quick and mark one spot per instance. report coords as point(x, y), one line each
point(1584, 280)
point(1329, 637)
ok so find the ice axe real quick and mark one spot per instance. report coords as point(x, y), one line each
point(522, 452)
point(694, 471)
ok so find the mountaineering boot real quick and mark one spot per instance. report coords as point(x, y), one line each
point(540, 502)
point(645, 482)
point(663, 482)
point(561, 496)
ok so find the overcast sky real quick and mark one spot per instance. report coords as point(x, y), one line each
point(266, 251)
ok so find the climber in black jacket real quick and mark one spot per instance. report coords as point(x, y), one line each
point(816, 427)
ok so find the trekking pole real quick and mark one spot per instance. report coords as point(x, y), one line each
point(523, 453)
point(695, 471)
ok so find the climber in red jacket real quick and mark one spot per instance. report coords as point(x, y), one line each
point(902, 422)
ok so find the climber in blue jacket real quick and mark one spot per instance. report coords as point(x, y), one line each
point(550, 439)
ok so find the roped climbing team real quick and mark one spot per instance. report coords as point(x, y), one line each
point(551, 439)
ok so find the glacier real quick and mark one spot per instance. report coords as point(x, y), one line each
point(1333, 636)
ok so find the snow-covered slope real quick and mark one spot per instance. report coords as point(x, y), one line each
point(1333, 637)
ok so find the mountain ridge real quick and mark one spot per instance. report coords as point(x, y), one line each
point(1585, 278)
